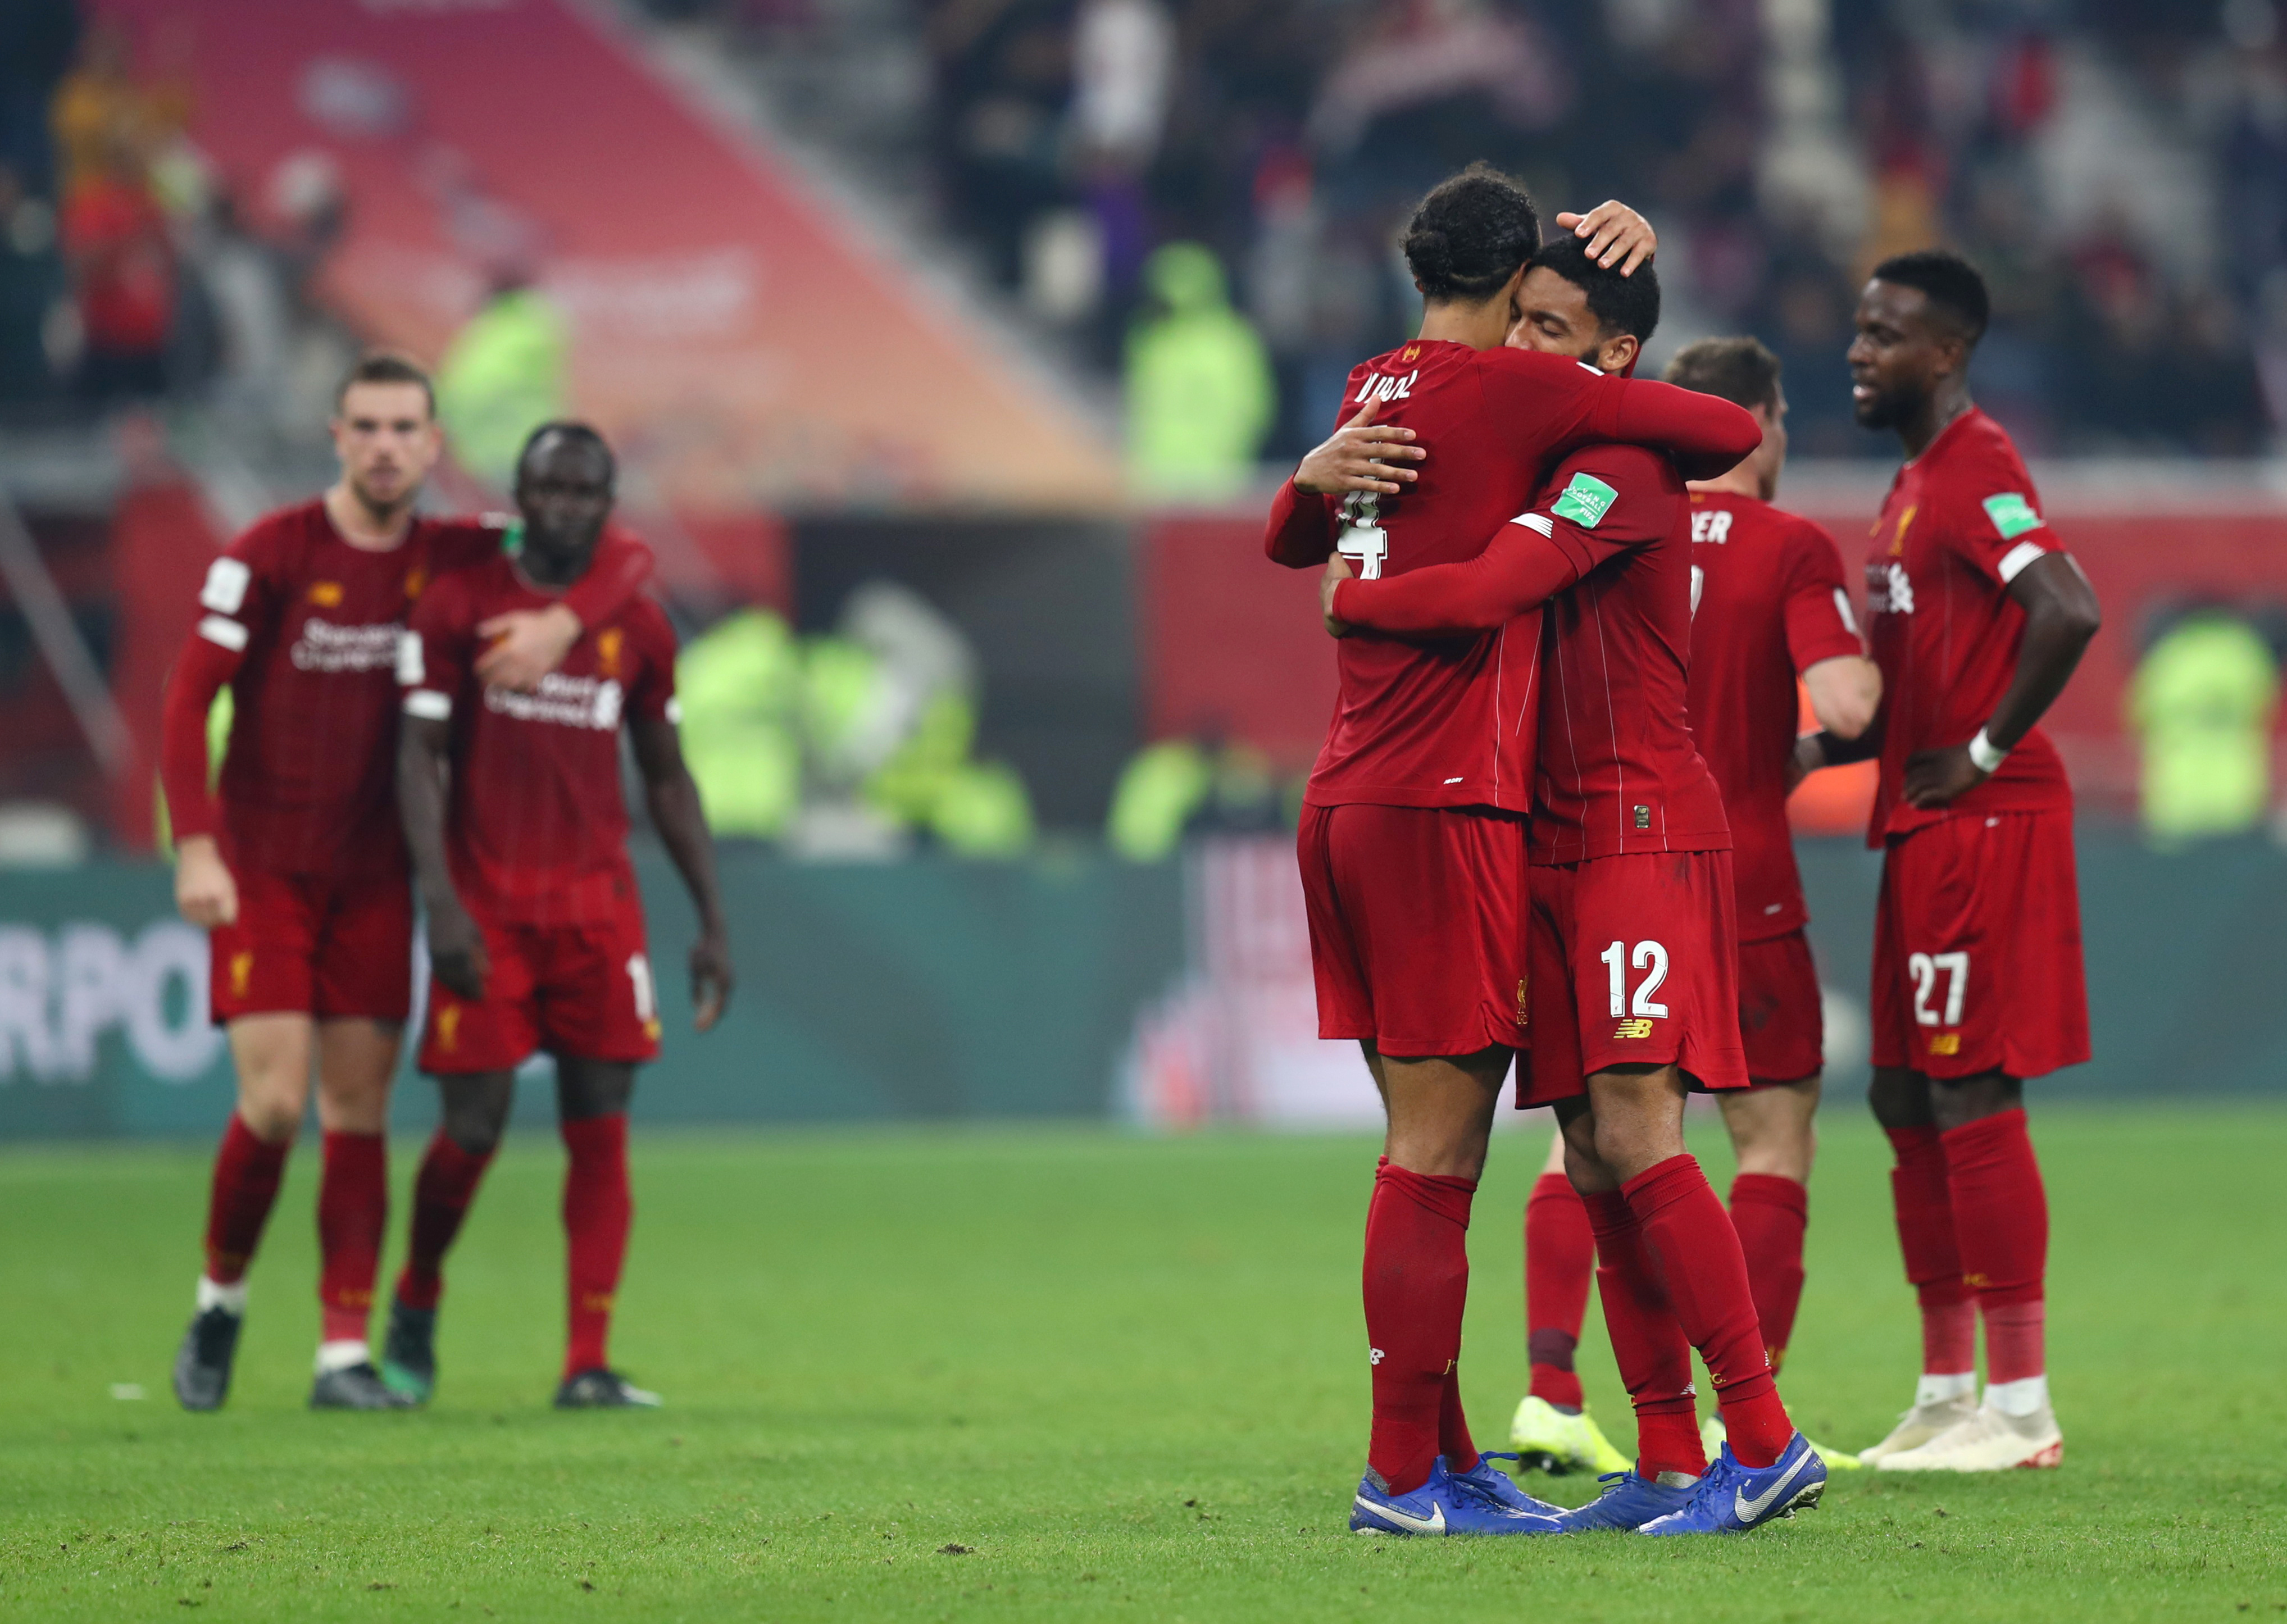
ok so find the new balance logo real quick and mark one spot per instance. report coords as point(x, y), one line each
point(1640, 1028)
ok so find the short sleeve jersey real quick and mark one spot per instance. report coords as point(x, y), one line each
point(536, 830)
point(1450, 722)
point(1768, 604)
point(307, 783)
point(1618, 771)
point(1962, 523)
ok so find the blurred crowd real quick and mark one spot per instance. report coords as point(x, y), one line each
point(2118, 167)
point(130, 269)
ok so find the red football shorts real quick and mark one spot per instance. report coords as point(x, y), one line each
point(1635, 962)
point(305, 945)
point(1977, 963)
point(1417, 926)
point(1782, 1027)
point(582, 989)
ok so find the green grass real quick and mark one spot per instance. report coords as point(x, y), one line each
point(1127, 1375)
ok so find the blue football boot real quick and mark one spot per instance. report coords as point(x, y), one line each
point(1444, 1505)
point(1633, 1501)
point(1490, 1481)
point(1732, 1498)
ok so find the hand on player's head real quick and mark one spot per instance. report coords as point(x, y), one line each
point(1615, 234)
point(1361, 456)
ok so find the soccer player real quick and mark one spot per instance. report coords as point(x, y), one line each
point(535, 927)
point(297, 867)
point(1412, 843)
point(1769, 606)
point(1632, 951)
point(1977, 616)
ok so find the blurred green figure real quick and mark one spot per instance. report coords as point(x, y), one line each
point(502, 377)
point(1201, 395)
point(2202, 703)
point(740, 685)
point(1179, 786)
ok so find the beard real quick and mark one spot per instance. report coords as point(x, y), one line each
point(1886, 410)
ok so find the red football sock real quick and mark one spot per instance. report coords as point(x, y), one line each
point(246, 1175)
point(1453, 1440)
point(598, 1212)
point(1559, 1255)
point(441, 1193)
point(1703, 1275)
point(2001, 1215)
point(1416, 1280)
point(1648, 1344)
point(1922, 1197)
point(353, 1217)
point(1770, 1214)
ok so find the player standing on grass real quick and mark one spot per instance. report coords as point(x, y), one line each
point(1769, 606)
point(535, 926)
point(297, 867)
point(1412, 843)
point(1978, 617)
point(1632, 936)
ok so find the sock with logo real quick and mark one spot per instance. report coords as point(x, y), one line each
point(1770, 1214)
point(1648, 1344)
point(246, 1176)
point(441, 1193)
point(1695, 1252)
point(1922, 1197)
point(598, 1213)
point(2001, 1215)
point(353, 1217)
point(1416, 1283)
point(1560, 1256)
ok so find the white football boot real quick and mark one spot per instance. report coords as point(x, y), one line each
point(1940, 1404)
point(1990, 1440)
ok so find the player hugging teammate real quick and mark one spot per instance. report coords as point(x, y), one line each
point(1518, 644)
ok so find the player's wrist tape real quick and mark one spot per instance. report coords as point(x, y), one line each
point(1985, 753)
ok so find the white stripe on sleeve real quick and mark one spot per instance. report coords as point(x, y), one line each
point(1842, 608)
point(2019, 558)
point(229, 634)
point(225, 587)
point(1536, 521)
point(428, 704)
point(412, 670)
point(673, 711)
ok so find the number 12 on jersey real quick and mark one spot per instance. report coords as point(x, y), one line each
point(1363, 541)
point(1648, 956)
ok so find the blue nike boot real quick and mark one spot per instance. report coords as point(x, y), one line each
point(1490, 1481)
point(1633, 1501)
point(1444, 1505)
point(1732, 1498)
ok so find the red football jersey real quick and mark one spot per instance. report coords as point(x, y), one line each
point(1768, 604)
point(305, 628)
point(1450, 722)
point(1961, 521)
point(537, 829)
point(1618, 770)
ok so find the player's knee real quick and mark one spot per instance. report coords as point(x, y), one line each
point(272, 1115)
point(476, 1113)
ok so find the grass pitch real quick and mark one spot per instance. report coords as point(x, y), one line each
point(1069, 1375)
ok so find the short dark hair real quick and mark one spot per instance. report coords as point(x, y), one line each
point(1739, 370)
point(1951, 283)
point(386, 367)
point(572, 429)
point(1620, 303)
point(1471, 235)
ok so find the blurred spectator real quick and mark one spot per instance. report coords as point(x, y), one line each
point(2202, 704)
point(1182, 787)
point(739, 686)
point(1123, 57)
point(502, 376)
point(102, 103)
point(122, 271)
point(31, 283)
point(1201, 395)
